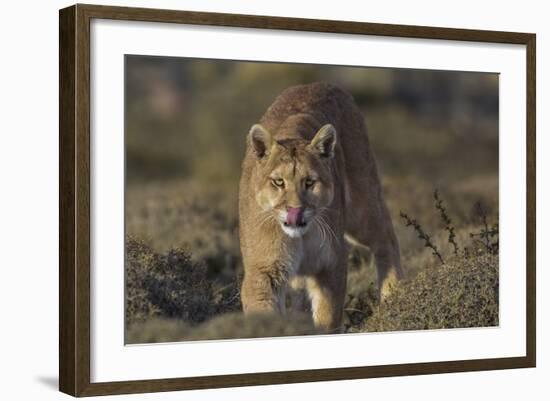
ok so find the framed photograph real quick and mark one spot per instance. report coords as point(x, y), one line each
point(250, 200)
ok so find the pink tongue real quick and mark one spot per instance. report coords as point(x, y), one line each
point(294, 216)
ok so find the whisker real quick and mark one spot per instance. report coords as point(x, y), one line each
point(321, 230)
point(323, 216)
point(328, 227)
point(268, 219)
point(268, 216)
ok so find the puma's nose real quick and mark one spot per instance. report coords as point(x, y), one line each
point(295, 216)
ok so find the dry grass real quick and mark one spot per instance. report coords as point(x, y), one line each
point(225, 326)
point(188, 215)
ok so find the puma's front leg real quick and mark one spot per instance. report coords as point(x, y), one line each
point(264, 289)
point(327, 291)
point(388, 266)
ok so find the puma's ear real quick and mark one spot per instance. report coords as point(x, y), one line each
point(260, 139)
point(324, 141)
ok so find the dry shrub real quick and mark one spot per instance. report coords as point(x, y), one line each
point(462, 292)
point(423, 258)
point(459, 290)
point(172, 285)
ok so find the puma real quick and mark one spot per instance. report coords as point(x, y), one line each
point(309, 177)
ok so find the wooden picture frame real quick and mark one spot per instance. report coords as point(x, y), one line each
point(74, 200)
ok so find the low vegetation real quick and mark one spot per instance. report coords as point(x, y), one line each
point(462, 292)
point(225, 326)
point(172, 285)
point(173, 296)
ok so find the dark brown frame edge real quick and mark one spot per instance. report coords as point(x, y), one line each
point(74, 199)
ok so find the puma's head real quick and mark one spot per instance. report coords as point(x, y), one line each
point(294, 183)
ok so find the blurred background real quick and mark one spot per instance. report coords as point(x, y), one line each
point(182, 114)
point(186, 124)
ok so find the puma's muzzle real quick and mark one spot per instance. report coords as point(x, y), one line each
point(295, 217)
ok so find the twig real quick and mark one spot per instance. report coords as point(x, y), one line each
point(422, 235)
point(447, 220)
point(488, 236)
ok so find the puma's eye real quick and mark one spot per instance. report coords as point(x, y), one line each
point(278, 182)
point(309, 182)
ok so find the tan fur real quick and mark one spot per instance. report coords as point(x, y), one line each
point(311, 134)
